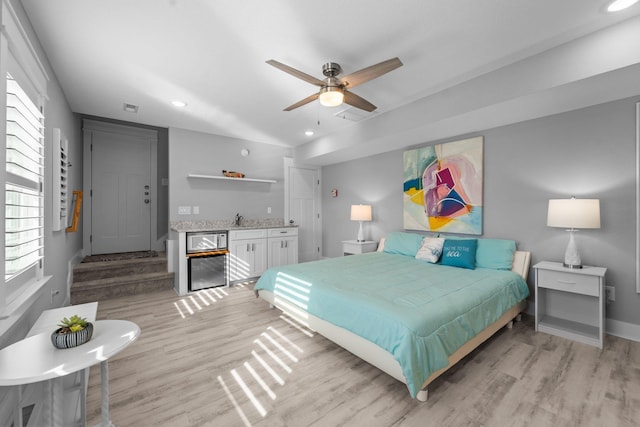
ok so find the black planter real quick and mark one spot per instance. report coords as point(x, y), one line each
point(71, 339)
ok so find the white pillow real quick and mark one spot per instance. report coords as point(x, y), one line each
point(431, 249)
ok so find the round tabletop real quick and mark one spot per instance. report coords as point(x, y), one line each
point(36, 359)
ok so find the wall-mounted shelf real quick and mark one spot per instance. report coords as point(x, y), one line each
point(226, 178)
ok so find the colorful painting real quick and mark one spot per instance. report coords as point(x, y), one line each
point(443, 187)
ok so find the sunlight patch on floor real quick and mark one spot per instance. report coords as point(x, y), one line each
point(200, 300)
point(252, 385)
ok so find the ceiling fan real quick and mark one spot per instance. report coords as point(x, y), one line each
point(335, 90)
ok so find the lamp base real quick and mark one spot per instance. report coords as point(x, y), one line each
point(572, 256)
point(360, 238)
point(565, 265)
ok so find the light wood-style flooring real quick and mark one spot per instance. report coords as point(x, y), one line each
point(224, 358)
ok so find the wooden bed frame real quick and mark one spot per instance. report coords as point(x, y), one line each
point(381, 359)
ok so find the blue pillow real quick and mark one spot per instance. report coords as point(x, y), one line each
point(495, 253)
point(401, 243)
point(460, 253)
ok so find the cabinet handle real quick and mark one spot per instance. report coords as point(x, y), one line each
point(248, 247)
point(281, 242)
point(566, 282)
point(286, 244)
point(253, 247)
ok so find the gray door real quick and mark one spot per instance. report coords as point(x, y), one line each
point(120, 193)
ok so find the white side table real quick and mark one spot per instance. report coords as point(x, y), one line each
point(570, 303)
point(35, 359)
point(353, 247)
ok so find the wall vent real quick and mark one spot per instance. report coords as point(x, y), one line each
point(353, 114)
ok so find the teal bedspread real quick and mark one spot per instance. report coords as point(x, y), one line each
point(419, 312)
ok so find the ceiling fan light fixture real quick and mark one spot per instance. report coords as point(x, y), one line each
point(618, 5)
point(331, 96)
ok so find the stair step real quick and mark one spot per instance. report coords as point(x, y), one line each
point(88, 271)
point(112, 287)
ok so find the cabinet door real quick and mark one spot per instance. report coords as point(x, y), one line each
point(239, 259)
point(274, 254)
point(259, 257)
point(283, 251)
point(248, 258)
point(291, 249)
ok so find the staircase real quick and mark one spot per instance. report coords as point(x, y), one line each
point(98, 281)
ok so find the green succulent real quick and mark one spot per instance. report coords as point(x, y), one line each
point(73, 324)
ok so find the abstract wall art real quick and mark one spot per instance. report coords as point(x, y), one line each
point(443, 187)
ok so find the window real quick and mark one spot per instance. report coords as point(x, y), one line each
point(24, 210)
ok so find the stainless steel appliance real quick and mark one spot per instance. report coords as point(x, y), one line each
point(206, 241)
point(207, 260)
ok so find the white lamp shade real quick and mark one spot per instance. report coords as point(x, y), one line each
point(360, 212)
point(574, 213)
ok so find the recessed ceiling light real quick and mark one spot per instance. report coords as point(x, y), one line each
point(308, 133)
point(130, 108)
point(180, 104)
point(618, 5)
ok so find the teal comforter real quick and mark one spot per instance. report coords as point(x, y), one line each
point(419, 312)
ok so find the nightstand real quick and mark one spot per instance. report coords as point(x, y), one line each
point(570, 303)
point(353, 247)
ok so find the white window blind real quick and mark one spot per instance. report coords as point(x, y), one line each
point(24, 211)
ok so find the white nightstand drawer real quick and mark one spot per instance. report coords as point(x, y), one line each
point(569, 282)
point(353, 247)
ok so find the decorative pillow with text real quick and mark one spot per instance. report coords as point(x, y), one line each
point(460, 253)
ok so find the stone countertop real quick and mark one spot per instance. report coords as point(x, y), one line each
point(225, 225)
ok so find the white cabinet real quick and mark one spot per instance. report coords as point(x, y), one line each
point(247, 253)
point(282, 246)
point(570, 303)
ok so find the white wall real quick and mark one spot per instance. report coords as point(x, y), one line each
point(587, 153)
point(201, 153)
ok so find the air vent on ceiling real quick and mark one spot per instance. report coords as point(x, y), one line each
point(353, 114)
point(130, 108)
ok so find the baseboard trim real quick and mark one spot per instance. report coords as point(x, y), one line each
point(624, 330)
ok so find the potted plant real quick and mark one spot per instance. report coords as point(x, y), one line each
point(72, 332)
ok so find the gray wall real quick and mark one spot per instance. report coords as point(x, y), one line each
point(207, 154)
point(587, 153)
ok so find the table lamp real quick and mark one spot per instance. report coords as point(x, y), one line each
point(360, 213)
point(573, 214)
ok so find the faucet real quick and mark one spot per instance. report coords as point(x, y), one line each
point(238, 219)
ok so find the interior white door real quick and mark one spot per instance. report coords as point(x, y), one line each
point(120, 193)
point(303, 208)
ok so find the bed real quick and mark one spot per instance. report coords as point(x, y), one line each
point(409, 317)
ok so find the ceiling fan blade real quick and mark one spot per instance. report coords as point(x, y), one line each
point(358, 102)
point(307, 100)
point(362, 76)
point(296, 73)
